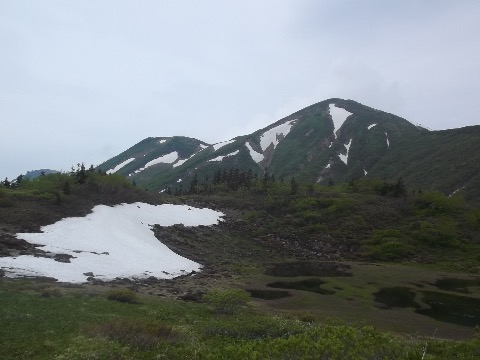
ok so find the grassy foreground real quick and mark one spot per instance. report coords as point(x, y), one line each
point(268, 223)
point(45, 321)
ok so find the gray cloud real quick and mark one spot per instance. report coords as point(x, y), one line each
point(82, 81)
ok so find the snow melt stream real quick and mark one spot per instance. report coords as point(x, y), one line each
point(111, 242)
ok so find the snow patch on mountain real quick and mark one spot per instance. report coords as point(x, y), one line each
point(274, 135)
point(110, 242)
point(339, 115)
point(220, 158)
point(162, 141)
point(164, 159)
point(344, 158)
point(256, 156)
point(388, 141)
point(370, 126)
point(365, 172)
point(222, 144)
point(119, 166)
point(181, 162)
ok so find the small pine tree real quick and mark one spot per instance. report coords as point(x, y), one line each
point(19, 179)
point(5, 183)
point(81, 173)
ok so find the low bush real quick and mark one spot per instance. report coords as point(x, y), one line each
point(442, 234)
point(50, 292)
point(123, 295)
point(226, 301)
point(388, 245)
point(437, 203)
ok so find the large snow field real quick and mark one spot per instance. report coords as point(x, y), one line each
point(111, 242)
point(339, 116)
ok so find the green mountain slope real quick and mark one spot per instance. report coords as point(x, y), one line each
point(333, 140)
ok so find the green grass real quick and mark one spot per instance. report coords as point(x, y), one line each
point(425, 234)
point(82, 324)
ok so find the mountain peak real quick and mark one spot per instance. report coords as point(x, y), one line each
point(334, 139)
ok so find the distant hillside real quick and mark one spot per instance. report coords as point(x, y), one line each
point(332, 141)
point(36, 173)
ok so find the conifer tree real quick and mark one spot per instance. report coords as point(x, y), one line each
point(81, 174)
point(6, 183)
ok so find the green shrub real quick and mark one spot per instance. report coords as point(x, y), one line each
point(438, 203)
point(388, 245)
point(311, 217)
point(441, 234)
point(123, 295)
point(226, 301)
point(473, 218)
point(305, 317)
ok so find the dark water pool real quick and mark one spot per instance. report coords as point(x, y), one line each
point(452, 308)
point(327, 269)
point(312, 285)
point(266, 294)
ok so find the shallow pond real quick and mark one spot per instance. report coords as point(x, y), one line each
point(268, 294)
point(327, 269)
point(457, 285)
point(396, 297)
point(312, 285)
point(456, 309)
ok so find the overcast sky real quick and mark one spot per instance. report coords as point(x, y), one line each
point(81, 81)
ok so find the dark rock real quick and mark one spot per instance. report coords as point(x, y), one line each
point(65, 258)
point(192, 296)
point(90, 274)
